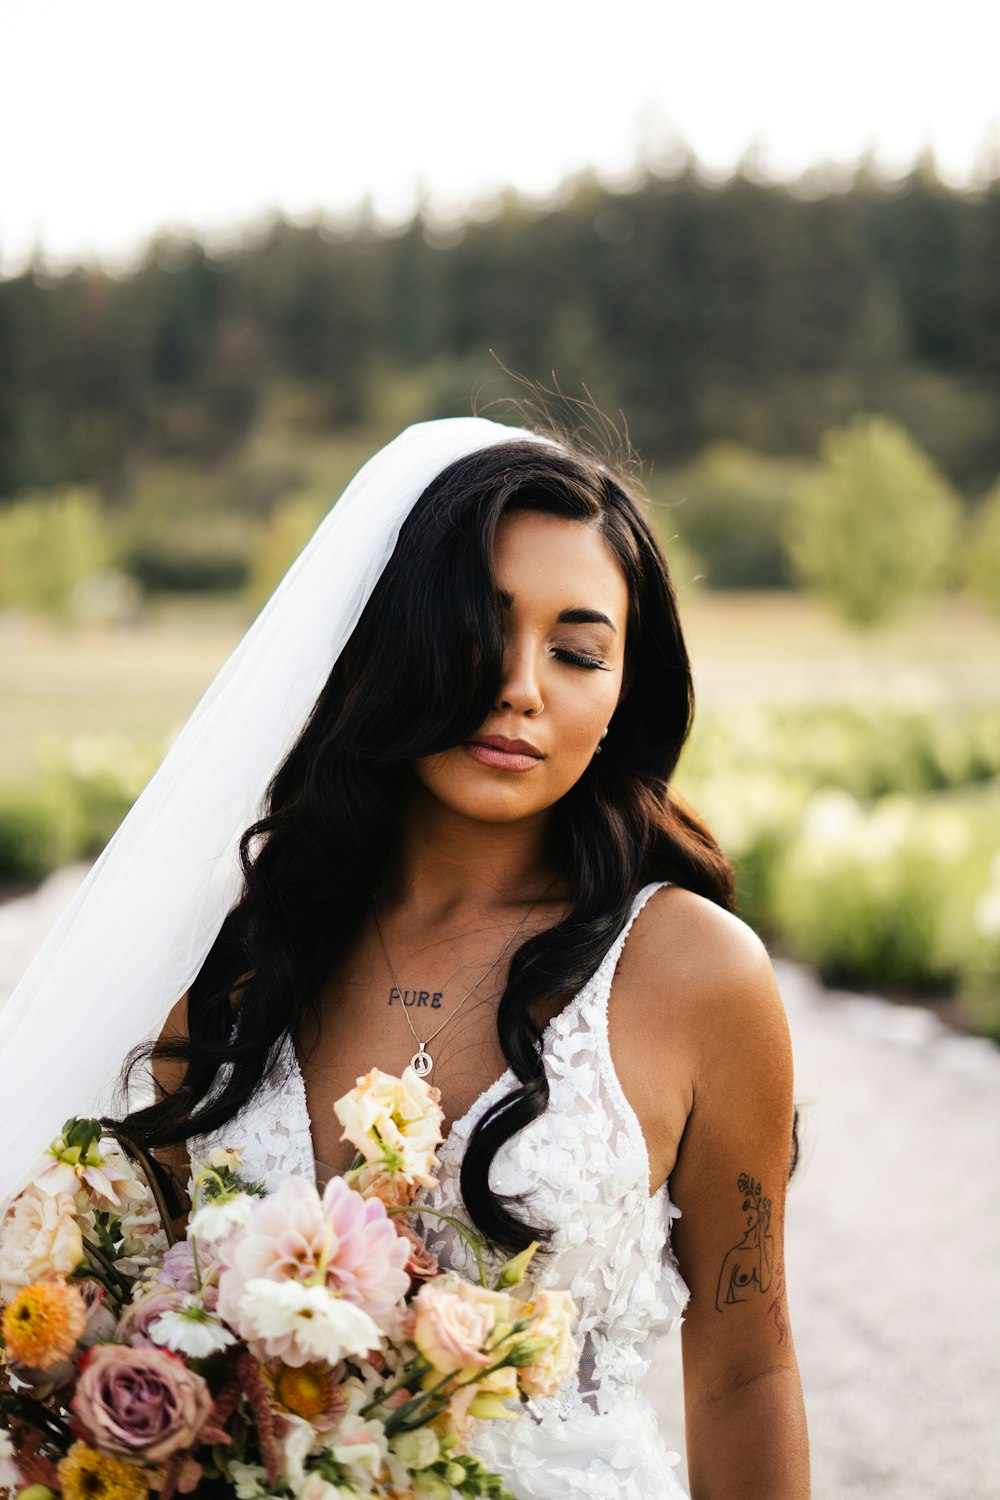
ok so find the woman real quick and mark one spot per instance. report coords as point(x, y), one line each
point(470, 858)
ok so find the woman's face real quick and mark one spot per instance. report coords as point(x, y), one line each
point(565, 605)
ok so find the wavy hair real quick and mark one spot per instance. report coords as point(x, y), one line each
point(419, 675)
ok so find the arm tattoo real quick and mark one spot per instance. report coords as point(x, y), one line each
point(747, 1267)
point(774, 1306)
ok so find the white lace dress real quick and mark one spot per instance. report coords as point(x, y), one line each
point(585, 1164)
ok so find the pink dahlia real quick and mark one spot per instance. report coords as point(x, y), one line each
point(340, 1241)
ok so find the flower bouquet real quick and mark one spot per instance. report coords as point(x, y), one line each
point(294, 1343)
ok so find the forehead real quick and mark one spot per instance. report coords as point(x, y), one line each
point(543, 558)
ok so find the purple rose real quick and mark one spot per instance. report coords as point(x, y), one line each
point(140, 1403)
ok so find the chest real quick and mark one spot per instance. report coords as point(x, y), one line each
point(369, 1017)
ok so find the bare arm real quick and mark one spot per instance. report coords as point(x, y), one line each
point(745, 1419)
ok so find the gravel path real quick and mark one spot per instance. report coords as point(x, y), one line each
point(893, 1240)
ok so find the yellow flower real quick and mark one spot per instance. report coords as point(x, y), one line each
point(86, 1474)
point(308, 1391)
point(42, 1324)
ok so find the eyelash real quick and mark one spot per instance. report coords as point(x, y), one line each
point(580, 661)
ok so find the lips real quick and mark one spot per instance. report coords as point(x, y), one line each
point(512, 747)
point(504, 754)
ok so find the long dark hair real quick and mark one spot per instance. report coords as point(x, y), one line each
point(419, 675)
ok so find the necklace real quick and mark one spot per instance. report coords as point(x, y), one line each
point(421, 1062)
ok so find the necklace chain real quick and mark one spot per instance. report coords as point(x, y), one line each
point(422, 1061)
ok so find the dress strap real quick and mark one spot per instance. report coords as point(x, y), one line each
point(614, 953)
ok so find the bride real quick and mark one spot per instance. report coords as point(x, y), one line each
point(468, 856)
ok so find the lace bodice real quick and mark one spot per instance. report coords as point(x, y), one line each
point(585, 1166)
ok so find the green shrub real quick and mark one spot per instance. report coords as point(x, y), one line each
point(39, 831)
point(50, 543)
point(861, 895)
point(176, 536)
point(70, 811)
point(727, 510)
point(279, 542)
point(100, 775)
point(876, 526)
point(982, 555)
point(980, 967)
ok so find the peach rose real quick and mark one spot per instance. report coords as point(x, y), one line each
point(552, 1319)
point(449, 1331)
point(395, 1122)
point(39, 1238)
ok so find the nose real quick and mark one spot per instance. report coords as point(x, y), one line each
point(520, 690)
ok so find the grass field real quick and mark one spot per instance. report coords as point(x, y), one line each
point(765, 646)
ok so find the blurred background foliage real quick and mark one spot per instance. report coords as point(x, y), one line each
point(812, 379)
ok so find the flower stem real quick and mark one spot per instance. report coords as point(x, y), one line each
point(136, 1152)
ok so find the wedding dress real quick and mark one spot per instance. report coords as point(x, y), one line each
point(585, 1163)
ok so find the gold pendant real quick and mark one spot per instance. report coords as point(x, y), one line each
point(421, 1062)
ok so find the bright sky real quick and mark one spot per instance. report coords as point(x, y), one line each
point(122, 117)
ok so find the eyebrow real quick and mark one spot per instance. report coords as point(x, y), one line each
point(577, 616)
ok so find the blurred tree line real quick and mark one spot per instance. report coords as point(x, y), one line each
point(734, 325)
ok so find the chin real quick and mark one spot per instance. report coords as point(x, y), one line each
point(488, 798)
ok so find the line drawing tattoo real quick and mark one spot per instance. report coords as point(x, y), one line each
point(747, 1266)
point(774, 1306)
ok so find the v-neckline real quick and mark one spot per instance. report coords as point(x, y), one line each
point(460, 1126)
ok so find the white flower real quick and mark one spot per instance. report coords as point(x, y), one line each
point(104, 1179)
point(987, 913)
point(417, 1449)
point(298, 1323)
point(216, 1218)
point(10, 1477)
point(295, 1446)
point(250, 1479)
point(191, 1330)
point(144, 1242)
point(396, 1121)
point(832, 817)
point(315, 1487)
point(360, 1446)
point(38, 1236)
point(225, 1156)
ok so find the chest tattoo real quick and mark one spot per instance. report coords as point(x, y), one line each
point(431, 999)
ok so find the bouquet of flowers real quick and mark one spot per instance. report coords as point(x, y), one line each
point(295, 1343)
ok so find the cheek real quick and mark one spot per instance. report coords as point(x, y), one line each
point(579, 717)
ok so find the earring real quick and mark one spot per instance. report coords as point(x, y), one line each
point(604, 735)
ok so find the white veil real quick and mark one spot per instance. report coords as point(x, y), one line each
point(140, 927)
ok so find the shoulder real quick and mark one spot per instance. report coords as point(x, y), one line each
point(702, 976)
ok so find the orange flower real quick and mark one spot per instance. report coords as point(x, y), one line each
point(42, 1324)
point(86, 1474)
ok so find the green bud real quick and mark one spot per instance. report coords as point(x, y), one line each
point(36, 1492)
point(513, 1272)
point(428, 1486)
point(526, 1352)
point(453, 1474)
point(82, 1133)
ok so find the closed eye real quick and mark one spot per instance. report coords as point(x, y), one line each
point(589, 662)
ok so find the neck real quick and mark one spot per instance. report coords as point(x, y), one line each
point(444, 862)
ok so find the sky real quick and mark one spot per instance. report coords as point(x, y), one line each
point(123, 118)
